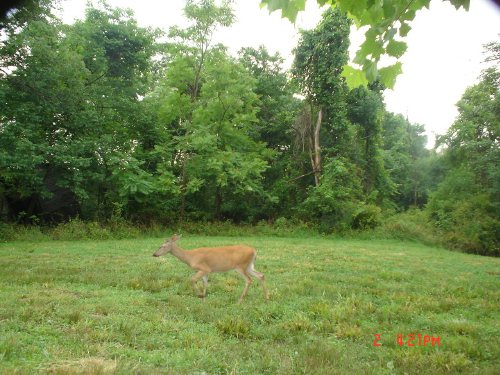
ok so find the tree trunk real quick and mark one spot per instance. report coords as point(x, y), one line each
point(183, 189)
point(218, 203)
point(316, 149)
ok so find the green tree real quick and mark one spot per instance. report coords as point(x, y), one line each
point(208, 107)
point(71, 98)
point(182, 88)
point(466, 204)
point(319, 58)
point(366, 110)
point(411, 166)
point(40, 90)
point(277, 111)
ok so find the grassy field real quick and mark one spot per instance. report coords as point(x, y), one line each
point(110, 307)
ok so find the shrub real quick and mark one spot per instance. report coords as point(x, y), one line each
point(15, 232)
point(466, 214)
point(412, 225)
point(367, 216)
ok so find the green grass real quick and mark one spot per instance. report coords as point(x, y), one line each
point(99, 307)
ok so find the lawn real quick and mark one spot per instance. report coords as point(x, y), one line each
point(99, 307)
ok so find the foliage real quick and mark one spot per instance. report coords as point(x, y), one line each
point(414, 169)
point(466, 214)
point(365, 111)
point(70, 103)
point(334, 203)
point(411, 225)
point(105, 126)
point(467, 204)
point(388, 24)
point(319, 57)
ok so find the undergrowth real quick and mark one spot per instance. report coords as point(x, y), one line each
point(412, 225)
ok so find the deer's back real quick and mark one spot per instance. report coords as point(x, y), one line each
point(224, 258)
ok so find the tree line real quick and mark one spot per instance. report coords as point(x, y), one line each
point(103, 119)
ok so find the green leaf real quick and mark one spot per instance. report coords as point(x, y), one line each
point(371, 46)
point(289, 8)
point(355, 7)
point(389, 74)
point(461, 4)
point(390, 34)
point(404, 29)
point(354, 77)
point(389, 9)
point(395, 48)
point(371, 71)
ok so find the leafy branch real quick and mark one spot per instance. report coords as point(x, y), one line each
point(386, 19)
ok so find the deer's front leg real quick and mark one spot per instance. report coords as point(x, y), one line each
point(200, 274)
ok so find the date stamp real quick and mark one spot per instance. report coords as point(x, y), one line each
point(411, 339)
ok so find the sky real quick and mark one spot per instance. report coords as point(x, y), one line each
point(444, 55)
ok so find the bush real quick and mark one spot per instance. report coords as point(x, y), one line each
point(14, 232)
point(466, 214)
point(412, 225)
point(77, 229)
point(333, 204)
point(367, 216)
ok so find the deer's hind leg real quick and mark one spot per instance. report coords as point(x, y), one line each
point(248, 282)
point(259, 275)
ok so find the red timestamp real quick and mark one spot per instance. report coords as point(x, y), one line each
point(411, 340)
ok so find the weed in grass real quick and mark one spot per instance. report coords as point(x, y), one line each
point(233, 327)
point(74, 317)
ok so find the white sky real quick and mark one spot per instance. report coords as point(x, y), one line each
point(444, 56)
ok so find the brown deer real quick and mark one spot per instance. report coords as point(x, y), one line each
point(206, 260)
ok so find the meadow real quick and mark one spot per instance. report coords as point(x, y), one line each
point(337, 306)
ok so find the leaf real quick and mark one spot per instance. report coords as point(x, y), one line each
point(389, 9)
point(371, 46)
point(355, 7)
point(371, 71)
point(389, 74)
point(289, 8)
point(354, 77)
point(404, 29)
point(461, 4)
point(395, 48)
point(390, 34)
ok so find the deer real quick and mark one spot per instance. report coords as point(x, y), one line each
point(206, 260)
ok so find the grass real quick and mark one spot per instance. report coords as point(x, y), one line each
point(106, 307)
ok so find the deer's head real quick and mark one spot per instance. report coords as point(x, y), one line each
point(167, 246)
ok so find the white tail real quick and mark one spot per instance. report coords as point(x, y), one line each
point(206, 260)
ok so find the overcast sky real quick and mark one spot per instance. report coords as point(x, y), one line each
point(444, 56)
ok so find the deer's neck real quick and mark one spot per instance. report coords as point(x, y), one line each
point(182, 255)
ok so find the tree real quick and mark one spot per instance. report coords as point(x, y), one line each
point(388, 24)
point(70, 102)
point(366, 110)
point(410, 165)
point(208, 105)
point(319, 58)
point(466, 204)
point(191, 52)
point(277, 110)
point(15, 14)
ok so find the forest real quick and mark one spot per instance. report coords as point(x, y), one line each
point(103, 121)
